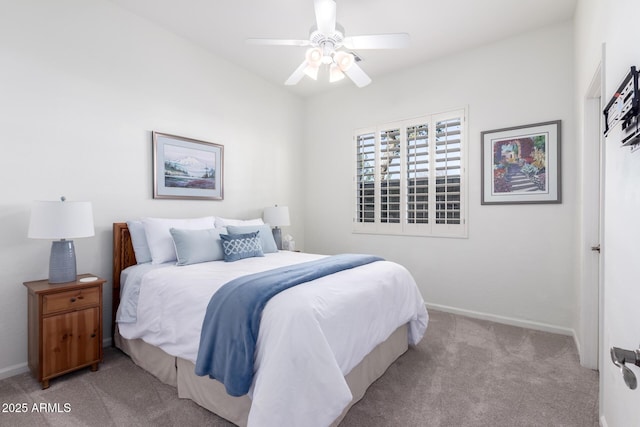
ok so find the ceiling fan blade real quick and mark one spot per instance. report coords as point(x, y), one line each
point(278, 42)
point(377, 41)
point(325, 15)
point(297, 75)
point(357, 75)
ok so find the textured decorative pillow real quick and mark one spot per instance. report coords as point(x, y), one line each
point(266, 235)
point(239, 246)
point(223, 222)
point(159, 238)
point(195, 246)
point(139, 241)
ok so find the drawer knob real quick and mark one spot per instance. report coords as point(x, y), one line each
point(93, 335)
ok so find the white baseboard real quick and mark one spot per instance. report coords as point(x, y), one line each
point(505, 320)
point(518, 322)
point(22, 367)
point(576, 341)
point(10, 371)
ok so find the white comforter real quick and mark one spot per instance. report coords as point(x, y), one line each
point(310, 335)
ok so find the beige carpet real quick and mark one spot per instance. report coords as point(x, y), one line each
point(465, 372)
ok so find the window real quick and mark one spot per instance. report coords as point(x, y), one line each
point(411, 178)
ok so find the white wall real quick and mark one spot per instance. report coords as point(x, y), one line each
point(82, 85)
point(518, 263)
point(84, 82)
point(609, 22)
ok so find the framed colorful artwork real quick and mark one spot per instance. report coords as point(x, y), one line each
point(185, 168)
point(521, 164)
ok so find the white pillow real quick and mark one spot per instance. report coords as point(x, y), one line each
point(223, 222)
point(159, 237)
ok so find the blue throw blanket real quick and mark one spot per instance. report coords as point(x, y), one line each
point(230, 327)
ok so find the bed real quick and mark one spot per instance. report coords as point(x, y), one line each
point(273, 400)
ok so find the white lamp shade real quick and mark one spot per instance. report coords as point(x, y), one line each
point(276, 216)
point(343, 60)
point(314, 60)
point(61, 220)
point(314, 57)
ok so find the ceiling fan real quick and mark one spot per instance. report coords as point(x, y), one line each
point(326, 39)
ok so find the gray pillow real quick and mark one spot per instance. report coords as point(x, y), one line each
point(195, 246)
point(139, 242)
point(266, 235)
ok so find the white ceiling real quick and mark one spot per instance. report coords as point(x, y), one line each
point(437, 28)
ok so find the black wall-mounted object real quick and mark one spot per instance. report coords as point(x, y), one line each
point(624, 108)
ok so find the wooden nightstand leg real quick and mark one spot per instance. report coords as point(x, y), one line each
point(45, 384)
point(94, 367)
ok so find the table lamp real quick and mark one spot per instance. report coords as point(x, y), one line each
point(276, 216)
point(61, 220)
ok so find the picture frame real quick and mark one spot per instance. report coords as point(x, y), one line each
point(185, 168)
point(521, 164)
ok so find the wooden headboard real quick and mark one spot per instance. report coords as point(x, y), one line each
point(123, 257)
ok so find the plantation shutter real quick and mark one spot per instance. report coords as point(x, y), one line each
point(366, 152)
point(418, 174)
point(448, 171)
point(390, 176)
point(411, 178)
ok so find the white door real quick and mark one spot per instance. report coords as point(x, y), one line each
point(620, 406)
point(591, 234)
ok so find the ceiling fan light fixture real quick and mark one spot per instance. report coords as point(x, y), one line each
point(314, 56)
point(313, 59)
point(335, 74)
point(343, 60)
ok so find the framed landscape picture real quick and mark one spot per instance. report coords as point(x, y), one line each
point(521, 164)
point(185, 168)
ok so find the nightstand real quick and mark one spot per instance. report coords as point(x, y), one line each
point(65, 327)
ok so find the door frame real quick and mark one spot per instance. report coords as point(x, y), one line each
point(592, 225)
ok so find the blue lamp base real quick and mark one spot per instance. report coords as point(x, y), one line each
point(277, 236)
point(62, 262)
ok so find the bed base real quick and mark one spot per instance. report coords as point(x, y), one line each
point(209, 393)
point(150, 358)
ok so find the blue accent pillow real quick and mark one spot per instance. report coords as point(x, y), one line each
point(139, 242)
point(266, 235)
point(195, 246)
point(240, 246)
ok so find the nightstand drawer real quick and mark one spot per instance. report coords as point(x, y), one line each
point(70, 300)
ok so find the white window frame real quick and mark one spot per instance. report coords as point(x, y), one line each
point(404, 227)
